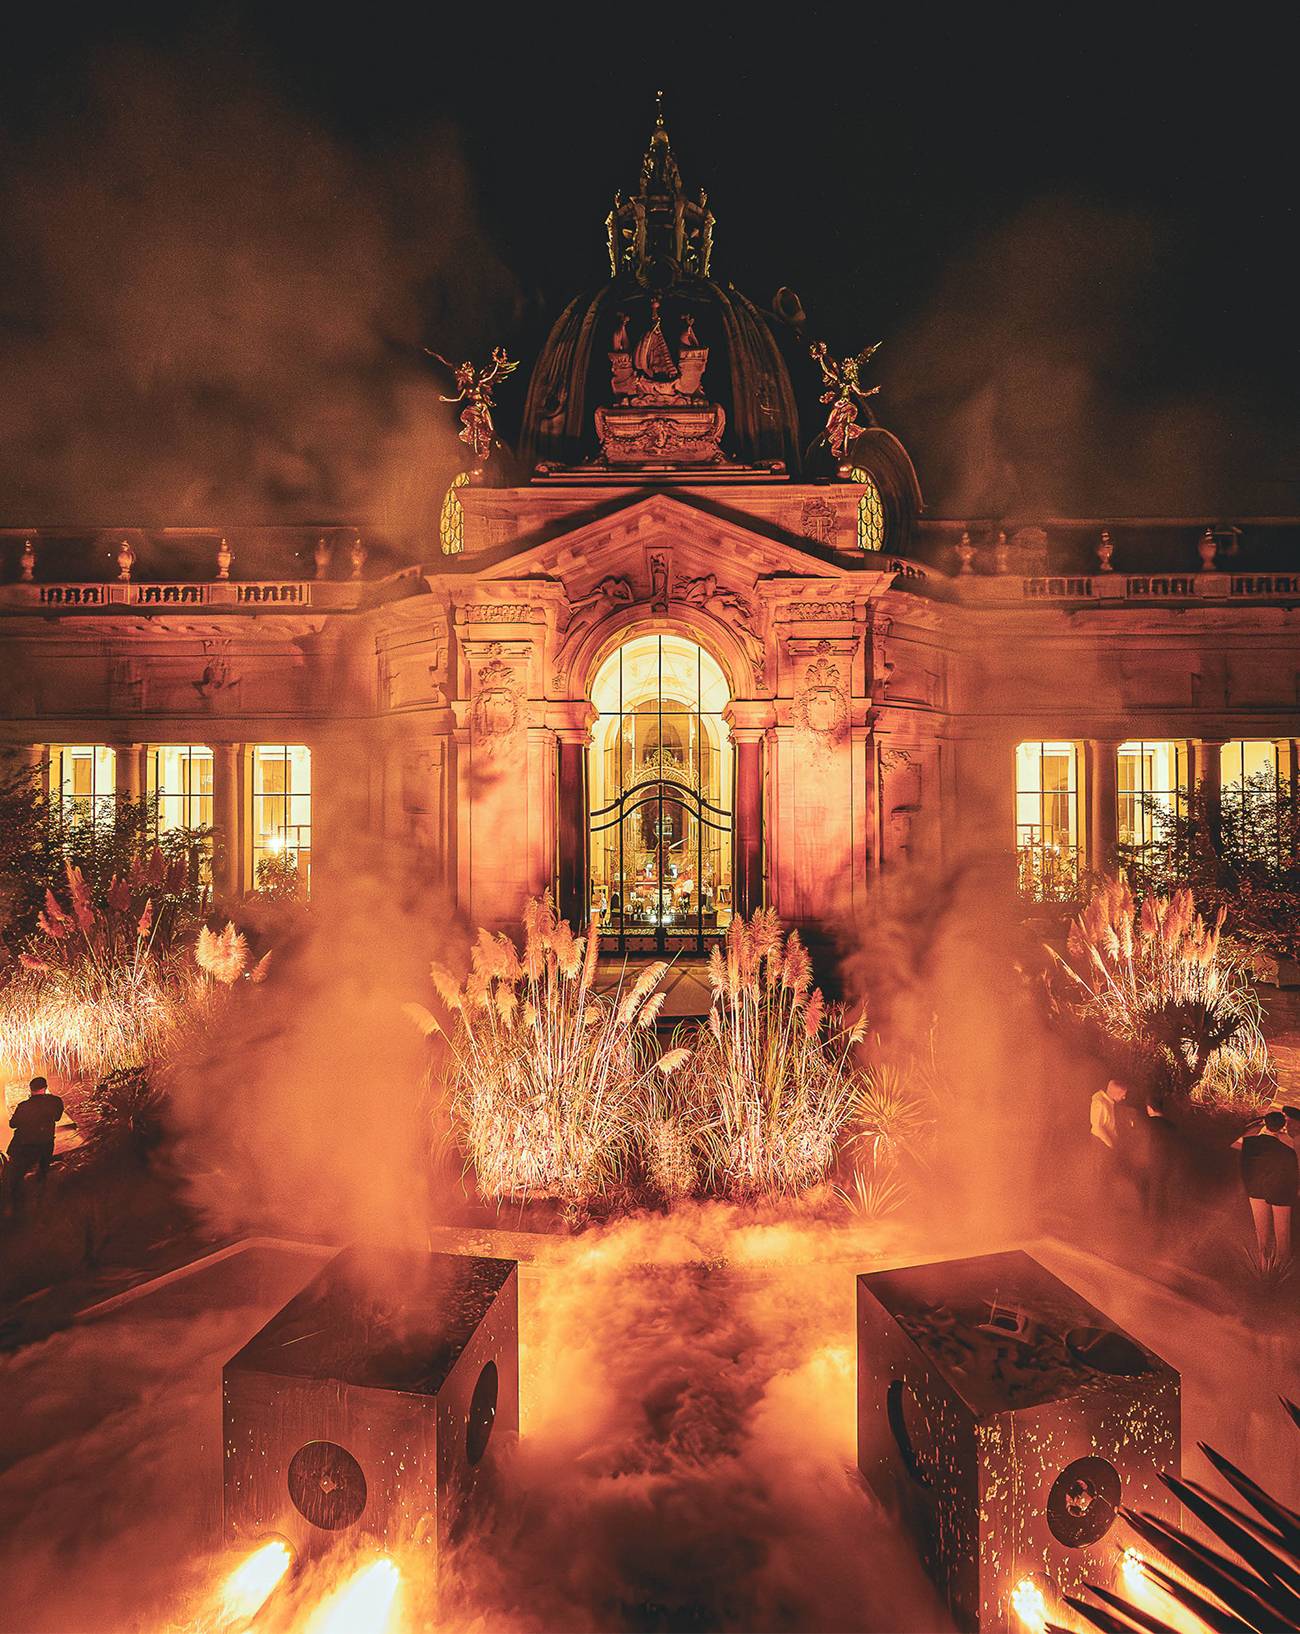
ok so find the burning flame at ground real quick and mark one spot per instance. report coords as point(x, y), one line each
point(1130, 1567)
point(366, 1604)
point(1029, 1604)
point(251, 1584)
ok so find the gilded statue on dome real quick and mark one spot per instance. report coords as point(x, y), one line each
point(478, 431)
point(844, 392)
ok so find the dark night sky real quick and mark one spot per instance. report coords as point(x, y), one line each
point(1079, 244)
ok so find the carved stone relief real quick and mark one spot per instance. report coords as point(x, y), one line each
point(817, 520)
point(497, 712)
point(821, 705)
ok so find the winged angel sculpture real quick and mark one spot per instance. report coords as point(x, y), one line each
point(474, 389)
point(844, 392)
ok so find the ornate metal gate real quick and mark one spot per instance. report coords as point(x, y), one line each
point(665, 896)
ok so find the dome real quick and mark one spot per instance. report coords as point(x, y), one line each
point(661, 324)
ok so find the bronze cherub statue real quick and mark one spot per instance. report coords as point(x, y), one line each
point(475, 390)
point(844, 392)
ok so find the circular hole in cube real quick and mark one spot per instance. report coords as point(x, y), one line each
point(482, 1413)
point(327, 1485)
point(1107, 1351)
point(1082, 1503)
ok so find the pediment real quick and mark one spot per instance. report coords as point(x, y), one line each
point(698, 539)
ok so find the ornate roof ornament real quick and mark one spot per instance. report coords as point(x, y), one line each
point(660, 233)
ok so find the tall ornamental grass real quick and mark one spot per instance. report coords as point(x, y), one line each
point(1159, 982)
point(771, 1081)
point(548, 1077)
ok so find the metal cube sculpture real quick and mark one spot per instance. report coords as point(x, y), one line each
point(374, 1403)
point(1005, 1419)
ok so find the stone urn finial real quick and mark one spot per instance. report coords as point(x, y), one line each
point(1002, 552)
point(358, 554)
point(224, 558)
point(125, 561)
point(322, 556)
point(1207, 545)
point(1105, 550)
point(28, 560)
point(965, 552)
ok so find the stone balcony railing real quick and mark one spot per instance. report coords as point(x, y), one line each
point(1108, 589)
point(188, 595)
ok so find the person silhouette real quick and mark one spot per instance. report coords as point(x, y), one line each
point(32, 1145)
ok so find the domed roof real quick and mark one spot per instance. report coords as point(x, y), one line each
point(660, 304)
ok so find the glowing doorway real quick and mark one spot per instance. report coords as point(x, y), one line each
point(660, 782)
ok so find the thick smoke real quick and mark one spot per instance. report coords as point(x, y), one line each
point(687, 1452)
point(213, 311)
point(1032, 384)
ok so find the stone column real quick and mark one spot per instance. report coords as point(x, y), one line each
point(130, 769)
point(1207, 783)
point(747, 825)
point(571, 827)
point(228, 870)
point(1103, 803)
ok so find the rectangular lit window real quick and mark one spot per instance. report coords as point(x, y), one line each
point(1152, 790)
point(83, 781)
point(180, 782)
point(1255, 776)
point(1047, 819)
point(281, 826)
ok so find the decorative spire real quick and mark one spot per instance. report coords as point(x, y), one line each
point(660, 234)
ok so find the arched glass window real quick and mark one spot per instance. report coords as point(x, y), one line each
point(660, 775)
point(871, 512)
point(451, 519)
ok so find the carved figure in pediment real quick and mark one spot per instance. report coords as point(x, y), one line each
point(658, 583)
point(613, 591)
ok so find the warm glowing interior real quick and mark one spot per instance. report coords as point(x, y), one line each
point(1152, 781)
point(281, 774)
point(660, 778)
point(83, 777)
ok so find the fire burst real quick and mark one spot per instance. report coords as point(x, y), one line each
point(364, 1605)
point(252, 1583)
point(1030, 1605)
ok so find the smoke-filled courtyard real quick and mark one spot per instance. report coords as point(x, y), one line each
point(686, 1458)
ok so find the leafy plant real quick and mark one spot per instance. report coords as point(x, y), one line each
point(40, 839)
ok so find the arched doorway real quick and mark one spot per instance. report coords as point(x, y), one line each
point(660, 776)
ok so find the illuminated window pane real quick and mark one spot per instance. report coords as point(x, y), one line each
point(180, 783)
point(1253, 772)
point(281, 825)
point(1047, 818)
point(871, 512)
point(1151, 781)
point(83, 781)
point(451, 519)
point(660, 776)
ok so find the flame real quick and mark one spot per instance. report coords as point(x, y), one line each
point(249, 1586)
point(1029, 1605)
point(1130, 1565)
point(364, 1605)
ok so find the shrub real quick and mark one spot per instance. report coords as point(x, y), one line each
point(1159, 984)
